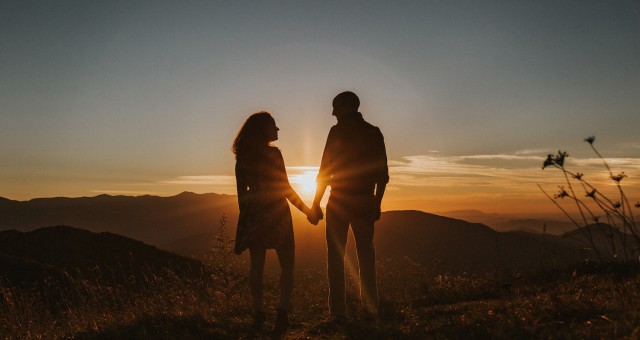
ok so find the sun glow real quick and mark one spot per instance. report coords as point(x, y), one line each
point(304, 181)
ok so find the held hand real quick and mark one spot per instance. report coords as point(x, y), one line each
point(318, 212)
point(310, 215)
point(377, 212)
point(314, 215)
point(312, 219)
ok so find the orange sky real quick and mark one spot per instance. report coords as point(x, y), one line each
point(146, 97)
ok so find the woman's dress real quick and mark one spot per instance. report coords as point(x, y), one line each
point(263, 189)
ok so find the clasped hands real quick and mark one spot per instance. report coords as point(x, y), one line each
point(314, 215)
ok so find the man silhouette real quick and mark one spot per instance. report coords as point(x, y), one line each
point(354, 164)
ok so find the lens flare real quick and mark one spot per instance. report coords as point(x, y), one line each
point(305, 182)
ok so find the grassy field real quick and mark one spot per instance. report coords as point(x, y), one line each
point(578, 302)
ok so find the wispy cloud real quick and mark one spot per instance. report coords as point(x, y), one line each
point(621, 163)
point(533, 152)
point(437, 178)
point(515, 157)
point(301, 169)
point(297, 174)
point(123, 192)
point(499, 170)
point(202, 180)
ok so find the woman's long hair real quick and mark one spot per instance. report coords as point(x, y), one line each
point(252, 139)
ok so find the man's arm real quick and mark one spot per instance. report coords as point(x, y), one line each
point(383, 177)
point(324, 176)
point(380, 188)
point(315, 207)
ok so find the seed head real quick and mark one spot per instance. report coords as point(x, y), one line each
point(590, 139)
point(618, 177)
point(555, 159)
point(560, 157)
point(562, 193)
point(548, 161)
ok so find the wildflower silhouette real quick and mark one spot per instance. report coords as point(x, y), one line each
point(618, 177)
point(555, 160)
point(562, 193)
point(618, 215)
point(590, 139)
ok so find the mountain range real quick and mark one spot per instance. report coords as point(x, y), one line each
point(185, 224)
point(152, 219)
point(554, 225)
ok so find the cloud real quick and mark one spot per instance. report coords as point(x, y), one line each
point(123, 192)
point(202, 180)
point(434, 175)
point(303, 176)
point(297, 174)
point(621, 164)
point(499, 171)
point(533, 151)
point(302, 169)
point(504, 157)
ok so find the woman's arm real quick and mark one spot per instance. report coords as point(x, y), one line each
point(288, 190)
point(295, 199)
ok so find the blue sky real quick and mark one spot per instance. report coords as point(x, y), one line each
point(138, 97)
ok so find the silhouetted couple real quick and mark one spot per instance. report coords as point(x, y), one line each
point(354, 165)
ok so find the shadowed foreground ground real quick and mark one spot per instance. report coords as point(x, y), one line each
point(576, 302)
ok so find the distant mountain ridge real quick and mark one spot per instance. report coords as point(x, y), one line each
point(534, 225)
point(152, 219)
point(186, 223)
point(503, 222)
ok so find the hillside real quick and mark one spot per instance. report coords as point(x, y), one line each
point(28, 257)
point(555, 225)
point(609, 241)
point(476, 216)
point(535, 225)
point(451, 245)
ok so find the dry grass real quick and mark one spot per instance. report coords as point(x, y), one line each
point(585, 302)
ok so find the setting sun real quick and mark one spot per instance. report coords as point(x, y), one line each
point(304, 181)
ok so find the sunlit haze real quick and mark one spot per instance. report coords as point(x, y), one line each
point(146, 97)
point(304, 181)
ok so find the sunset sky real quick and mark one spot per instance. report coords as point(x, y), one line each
point(145, 97)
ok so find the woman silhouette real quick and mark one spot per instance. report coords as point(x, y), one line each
point(265, 218)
